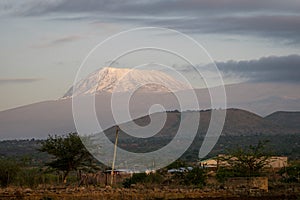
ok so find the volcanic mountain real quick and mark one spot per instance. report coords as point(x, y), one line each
point(110, 80)
point(38, 120)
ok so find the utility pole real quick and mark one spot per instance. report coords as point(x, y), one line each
point(114, 158)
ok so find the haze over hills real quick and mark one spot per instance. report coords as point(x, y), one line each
point(238, 123)
point(55, 117)
point(242, 128)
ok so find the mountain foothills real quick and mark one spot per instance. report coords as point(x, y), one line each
point(238, 123)
point(242, 128)
point(156, 87)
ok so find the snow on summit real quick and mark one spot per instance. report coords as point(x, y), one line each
point(110, 80)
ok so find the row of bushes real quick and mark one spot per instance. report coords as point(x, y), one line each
point(195, 177)
point(15, 173)
point(289, 174)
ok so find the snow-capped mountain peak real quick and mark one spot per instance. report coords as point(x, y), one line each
point(110, 80)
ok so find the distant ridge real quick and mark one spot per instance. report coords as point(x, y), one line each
point(288, 119)
point(238, 123)
point(40, 120)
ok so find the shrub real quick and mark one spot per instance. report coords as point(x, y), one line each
point(8, 171)
point(29, 177)
point(223, 174)
point(196, 177)
point(291, 173)
point(142, 178)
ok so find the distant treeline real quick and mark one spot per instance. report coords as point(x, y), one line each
point(281, 145)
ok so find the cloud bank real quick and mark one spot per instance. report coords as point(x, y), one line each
point(271, 19)
point(18, 80)
point(266, 69)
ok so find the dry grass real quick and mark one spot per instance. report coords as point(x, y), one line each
point(138, 193)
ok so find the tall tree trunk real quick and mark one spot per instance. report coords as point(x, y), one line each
point(65, 177)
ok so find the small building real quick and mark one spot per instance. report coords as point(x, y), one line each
point(274, 162)
point(215, 162)
point(209, 163)
point(180, 170)
point(277, 162)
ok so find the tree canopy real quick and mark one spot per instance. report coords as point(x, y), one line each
point(248, 161)
point(68, 151)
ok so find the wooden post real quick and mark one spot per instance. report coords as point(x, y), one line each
point(114, 158)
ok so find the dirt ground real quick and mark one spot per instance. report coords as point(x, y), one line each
point(90, 193)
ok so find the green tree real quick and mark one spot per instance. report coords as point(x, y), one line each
point(8, 171)
point(291, 174)
point(248, 161)
point(68, 151)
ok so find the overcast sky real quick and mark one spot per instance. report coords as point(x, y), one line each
point(44, 42)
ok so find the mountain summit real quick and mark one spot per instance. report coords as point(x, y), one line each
point(110, 80)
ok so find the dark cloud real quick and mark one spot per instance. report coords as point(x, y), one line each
point(279, 28)
point(282, 29)
point(266, 69)
point(18, 80)
point(187, 7)
point(270, 19)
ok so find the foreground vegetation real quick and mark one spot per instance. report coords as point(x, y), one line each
point(69, 168)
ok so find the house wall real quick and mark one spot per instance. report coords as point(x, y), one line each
point(248, 183)
point(278, 162)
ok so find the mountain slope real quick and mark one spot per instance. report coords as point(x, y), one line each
point(37, 120)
